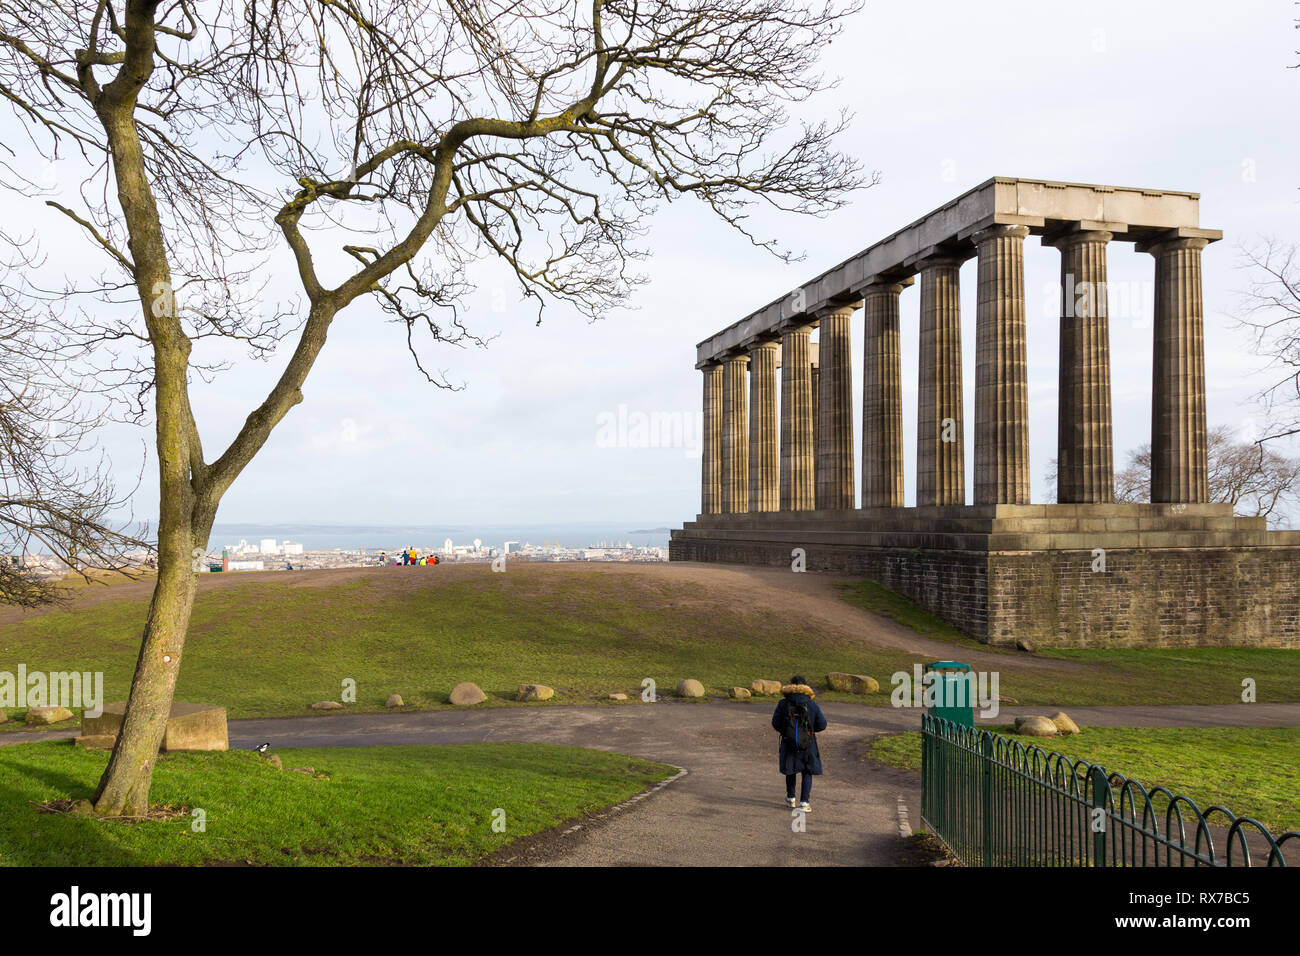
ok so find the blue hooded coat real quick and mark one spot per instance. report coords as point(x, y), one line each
point(793, 761)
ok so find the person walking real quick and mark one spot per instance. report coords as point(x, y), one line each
point(798, 720)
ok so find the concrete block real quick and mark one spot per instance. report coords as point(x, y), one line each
point(189, 726)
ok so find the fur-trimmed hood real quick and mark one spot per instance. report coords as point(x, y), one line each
point(788, 689)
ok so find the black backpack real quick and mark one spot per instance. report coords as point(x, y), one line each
point(798, 731)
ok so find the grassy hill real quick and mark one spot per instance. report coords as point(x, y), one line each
point(270, 644)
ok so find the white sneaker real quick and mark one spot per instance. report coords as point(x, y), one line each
point(791, 802)
point(805, 808)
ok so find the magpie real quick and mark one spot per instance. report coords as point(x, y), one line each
point(263, 748)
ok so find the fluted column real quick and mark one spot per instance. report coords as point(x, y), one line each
point(816, 420)
point(882, 398)
point(735, 436)
point(764, 468)
point(1001, 380)
point(1178, 450)
point(835, 487)
point(940, 448)
point(796, 420)
point(1085, 467)
point(711, 452)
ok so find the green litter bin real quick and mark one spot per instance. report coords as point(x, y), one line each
point(955, 701)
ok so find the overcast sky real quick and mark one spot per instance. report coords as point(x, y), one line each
point(1195, 96)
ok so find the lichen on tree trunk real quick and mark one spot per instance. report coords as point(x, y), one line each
point(124, 788)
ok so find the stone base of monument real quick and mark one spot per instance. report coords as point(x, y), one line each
point(1088, 575)
point(189, 727)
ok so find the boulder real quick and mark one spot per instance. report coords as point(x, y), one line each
point(394, 700)
point(189, 726)
point(534, 692)
point(327, 705)
point(852, 683)
point(466, 695)
point(1024, 645)
point(1064, 725)
point(765, 687)
point(618, 696)
point(3, 716)
point(740, 693)
point(690, 688)
point(95, 741)
point(47, 715)
point(1035, 727)
point(273, 760)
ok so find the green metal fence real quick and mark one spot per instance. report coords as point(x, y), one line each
point(995, 802)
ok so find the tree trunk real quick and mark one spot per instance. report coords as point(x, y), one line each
point(183, 527)
point(124, 787)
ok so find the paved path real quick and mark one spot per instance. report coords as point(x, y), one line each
point(727, 809)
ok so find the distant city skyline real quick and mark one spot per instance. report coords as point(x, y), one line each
point(315, 537)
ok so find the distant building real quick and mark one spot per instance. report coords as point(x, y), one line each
point(269, 546)
point(247, 565)
point(292, 547)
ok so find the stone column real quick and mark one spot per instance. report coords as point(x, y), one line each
point(835, 488)
point(711, 453)
point(882, 398)
point(735, 436)
point(1001, 380)
point(1178, 448)
point(816, 420)
point(1085, 466)
point(940, 447)
point(797, 446)
point(764, 485)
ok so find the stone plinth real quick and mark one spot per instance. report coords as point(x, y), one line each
point(189, 727)
point(1081, 575)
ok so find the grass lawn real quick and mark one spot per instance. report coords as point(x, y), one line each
point(1201, 675)
point(372, 805)
point(1251, 771)
point(269, 645)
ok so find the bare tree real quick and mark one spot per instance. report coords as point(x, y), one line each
point(386, 145)
point(1271, 313)
point(1257, 481)
point(55, 491)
